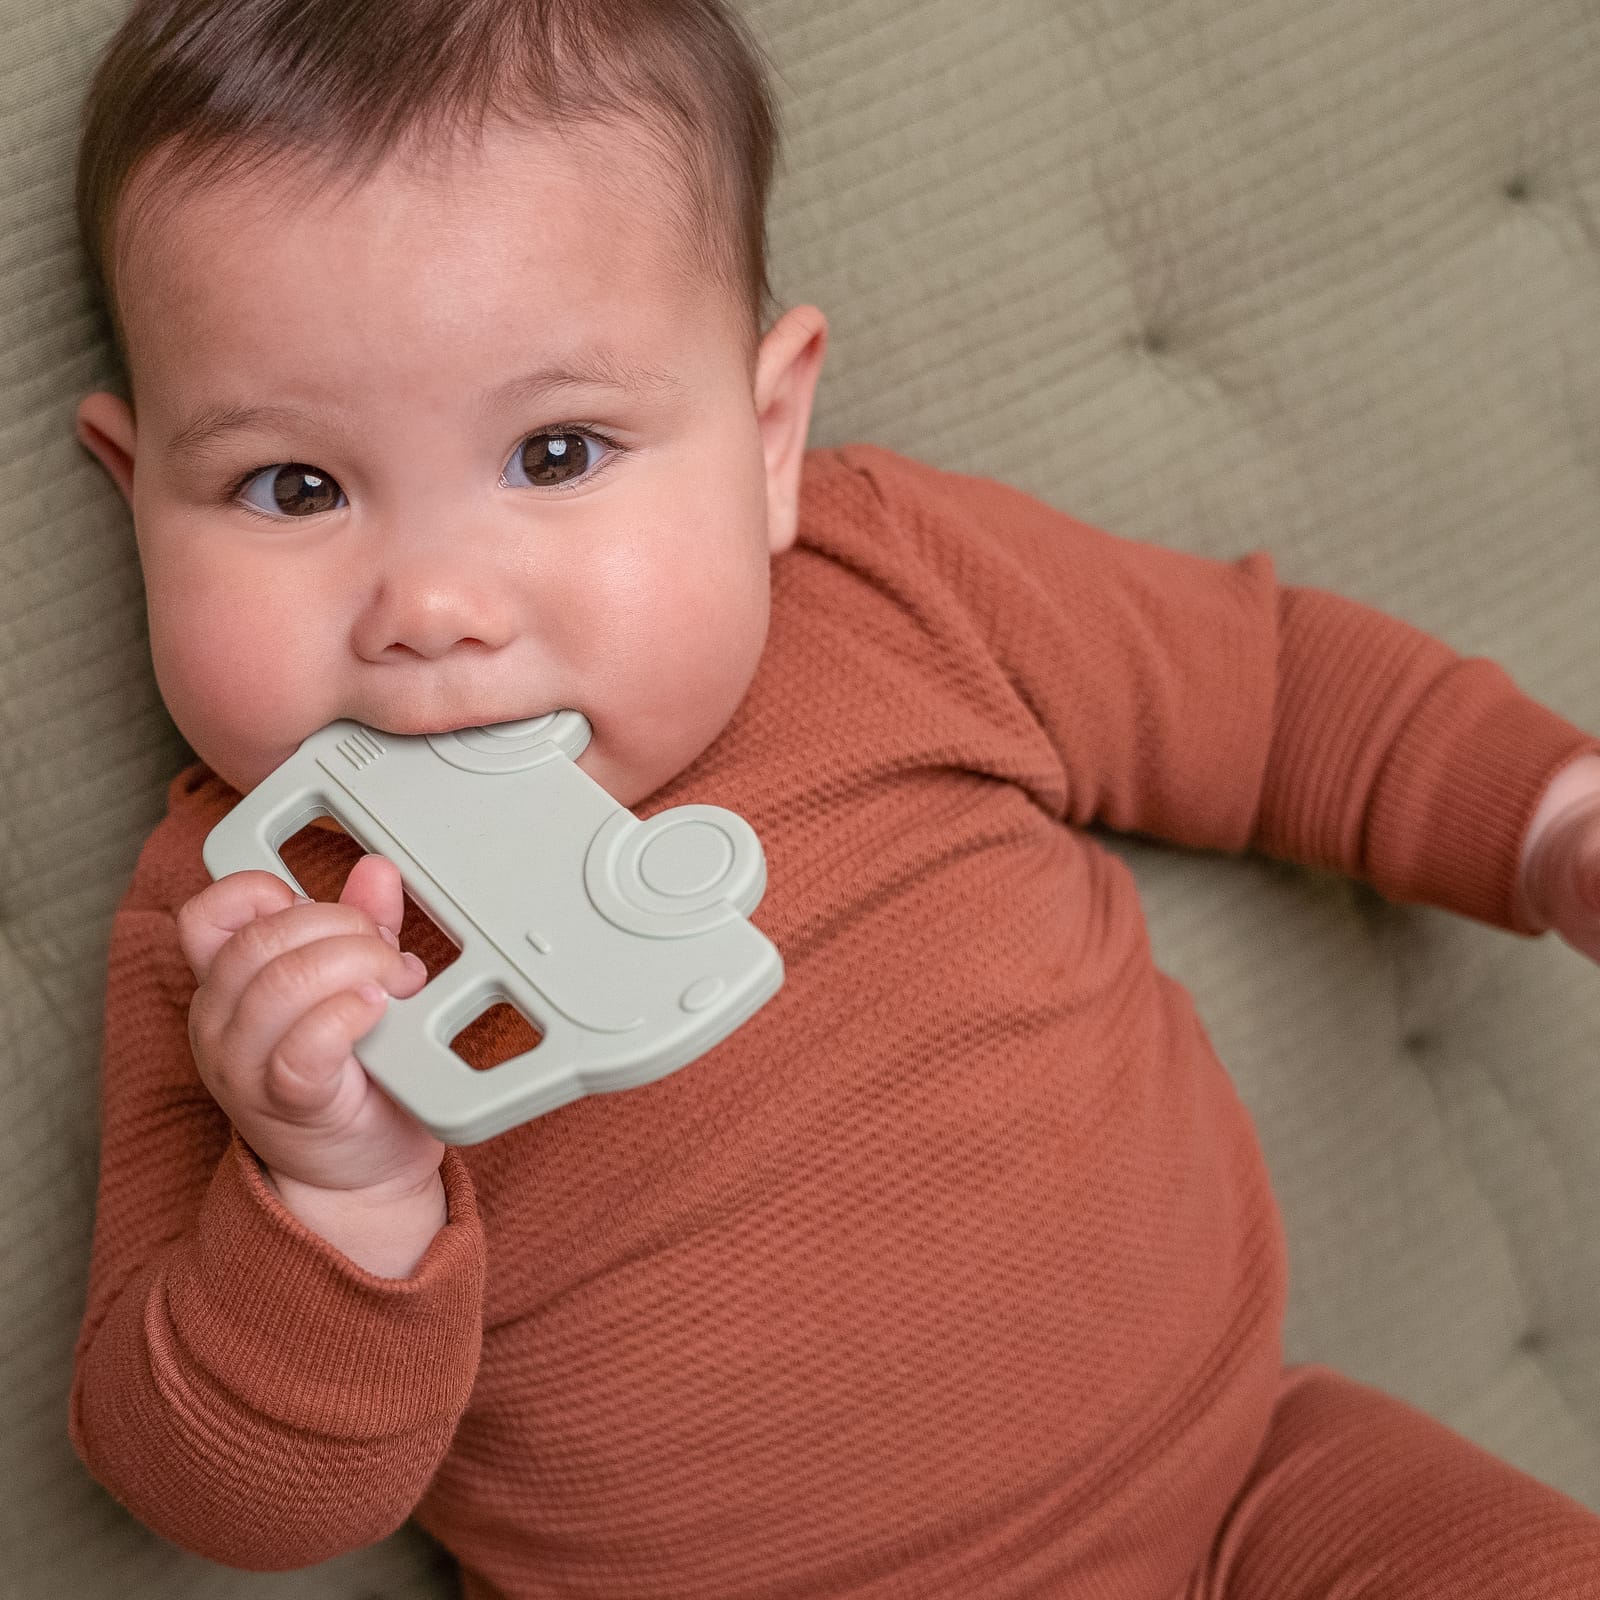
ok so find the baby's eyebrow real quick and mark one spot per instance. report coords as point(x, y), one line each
point(588, 369)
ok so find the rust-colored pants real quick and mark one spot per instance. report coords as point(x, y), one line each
point(1359, 1496)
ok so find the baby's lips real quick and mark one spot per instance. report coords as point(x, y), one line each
point(504, 728)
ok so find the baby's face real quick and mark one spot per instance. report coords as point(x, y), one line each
point(453, 451)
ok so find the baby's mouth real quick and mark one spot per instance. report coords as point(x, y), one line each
point(508, 727)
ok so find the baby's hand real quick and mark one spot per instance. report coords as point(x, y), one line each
point(1561, 867)
point(286, 989)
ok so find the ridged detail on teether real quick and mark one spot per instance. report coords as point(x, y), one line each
point(361, 748)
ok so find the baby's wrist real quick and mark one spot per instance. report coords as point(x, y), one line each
point(386, 1229)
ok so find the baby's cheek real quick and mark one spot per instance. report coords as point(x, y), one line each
point(232, 675)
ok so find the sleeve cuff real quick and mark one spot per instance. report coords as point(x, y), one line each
point(1459, 789)
point(301, 1332)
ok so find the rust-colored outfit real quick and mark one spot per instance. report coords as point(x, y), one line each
point(955, 1271)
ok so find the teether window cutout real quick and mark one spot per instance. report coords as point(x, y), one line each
point(319, 858)
point(496, 1036)
point(555, 458)
point(624, 944)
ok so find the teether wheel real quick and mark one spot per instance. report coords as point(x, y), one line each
point(678, 873)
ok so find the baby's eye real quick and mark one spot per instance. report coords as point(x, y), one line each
point(294, 489)
point(558, 459)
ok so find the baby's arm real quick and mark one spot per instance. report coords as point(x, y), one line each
point(1204, 702)
point(1400, 762)
point(245, 1389)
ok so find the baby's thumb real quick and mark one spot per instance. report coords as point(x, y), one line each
point(374, 887)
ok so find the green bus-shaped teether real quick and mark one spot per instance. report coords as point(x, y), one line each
point(624, 942)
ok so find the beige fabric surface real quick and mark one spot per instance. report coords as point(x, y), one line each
point(1314, 276)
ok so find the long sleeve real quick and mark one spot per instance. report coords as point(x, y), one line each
point(1203, 702)
point(240, 1385)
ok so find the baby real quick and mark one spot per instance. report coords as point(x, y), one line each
point(955, 1270)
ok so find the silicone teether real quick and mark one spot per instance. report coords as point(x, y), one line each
point(624, 942)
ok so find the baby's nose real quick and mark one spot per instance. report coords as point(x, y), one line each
point(431, 616)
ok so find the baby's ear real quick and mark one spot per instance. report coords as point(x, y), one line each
point(105, 427)
point(788, 365)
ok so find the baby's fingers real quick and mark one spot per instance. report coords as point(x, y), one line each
point(293, 984)
point(313, 1064)
point(208, 920)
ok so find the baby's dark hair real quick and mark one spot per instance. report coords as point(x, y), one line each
point(221, 87)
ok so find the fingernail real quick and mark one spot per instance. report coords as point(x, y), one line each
point(415, 965)
point(373, 995)
point(390, 937)
point(303, 900)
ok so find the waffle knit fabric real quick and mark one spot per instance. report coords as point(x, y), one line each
point(1358, 1496)
point(953, 1271)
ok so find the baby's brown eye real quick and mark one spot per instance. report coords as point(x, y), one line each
point(295, 489)
point(553, 460)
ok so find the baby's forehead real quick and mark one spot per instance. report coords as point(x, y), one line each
point(601, 192)
point(264, 282)
point(532, 232)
